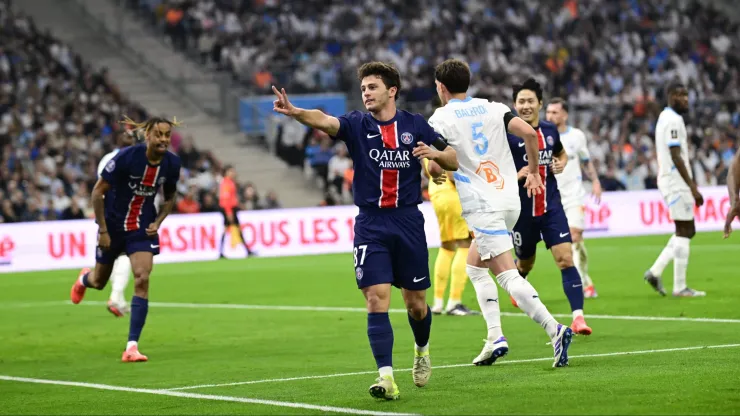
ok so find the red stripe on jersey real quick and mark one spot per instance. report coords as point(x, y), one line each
point(389, 188)
point(539, 204)
point(131, 223)
point(389, 177)
point(390, 136)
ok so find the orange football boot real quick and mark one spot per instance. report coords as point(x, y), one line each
point(78, 289)
point(579, 326)
point(132, 355)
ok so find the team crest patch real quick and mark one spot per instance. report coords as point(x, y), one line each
point(162, 180)
point(674, 134)
point(110, 166)
point(358, 273)
point(407, 138)
point(550, 140)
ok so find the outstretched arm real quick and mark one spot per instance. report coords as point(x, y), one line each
point(733, 181)
point(445, 158)
point(312, 118)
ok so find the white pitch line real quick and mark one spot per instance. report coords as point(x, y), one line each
point(345, 410)
point(529, 360)
point(357, 310)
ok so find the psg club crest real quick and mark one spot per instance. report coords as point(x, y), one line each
point(162, 180)
point(358, 273)
point(111, 166)
point(550, 140)
point(407, 138)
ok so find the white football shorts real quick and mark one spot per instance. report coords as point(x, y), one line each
point(576, 216)
point(680, 205)
point(492, 231)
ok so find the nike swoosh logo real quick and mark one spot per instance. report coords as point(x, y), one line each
point(521, 144)
point(374, 135)
point(135, 177)
point(534, 296)
point(491, 300)
point(563, 234)
point(419, 280)
point(153, 246)
point(581, 285)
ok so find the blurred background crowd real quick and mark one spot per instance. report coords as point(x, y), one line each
point(610, 59)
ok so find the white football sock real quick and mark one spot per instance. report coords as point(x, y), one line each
point(438, 303)
point(487, 294)
point(528, 300)
point(583, 260)
point(576, 252)
point(386, 371)
point(664, 258)
point(680, 262)
point(131, 344)
point(119, 277)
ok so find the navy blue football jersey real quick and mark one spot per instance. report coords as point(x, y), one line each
point(135, 182)
point(549, 145)
point(386, 175)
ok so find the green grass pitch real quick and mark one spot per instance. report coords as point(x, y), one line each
point(272, 360)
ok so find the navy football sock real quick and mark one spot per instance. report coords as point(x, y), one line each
point(380, 333)
point(421, 328)
point(139, 309)
point(85, 281)
point(573, 287)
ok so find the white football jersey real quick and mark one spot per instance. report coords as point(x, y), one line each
point(670, 131)
point(486, 178)
point(570, 182)
point(105, 159)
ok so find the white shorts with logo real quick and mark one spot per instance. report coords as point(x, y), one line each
point(492, 231)
point(680, 204)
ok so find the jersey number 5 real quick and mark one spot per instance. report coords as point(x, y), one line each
point(480, 140)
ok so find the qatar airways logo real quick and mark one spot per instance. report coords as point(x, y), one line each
point(391, 159)
point(142, 190)
point(545, 157)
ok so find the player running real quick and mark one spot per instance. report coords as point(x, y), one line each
point(733, 182)
point(128, 222)
point(543, 217)
point(451, 257)
point(570, 185)
point(121, 272)
point(487, 187)
point(390, 243)
point(679, 191)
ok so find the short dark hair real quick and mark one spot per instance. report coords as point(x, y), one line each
point(561, 101)
point(673, 87)
point(387, 72)
point(454, 74)
point(227, 168)
point(530, 84)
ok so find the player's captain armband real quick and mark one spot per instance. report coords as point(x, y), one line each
point(440, 143)
point(507, 118)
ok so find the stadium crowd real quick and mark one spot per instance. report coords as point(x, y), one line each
point(610, 59)
point(58, 117)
